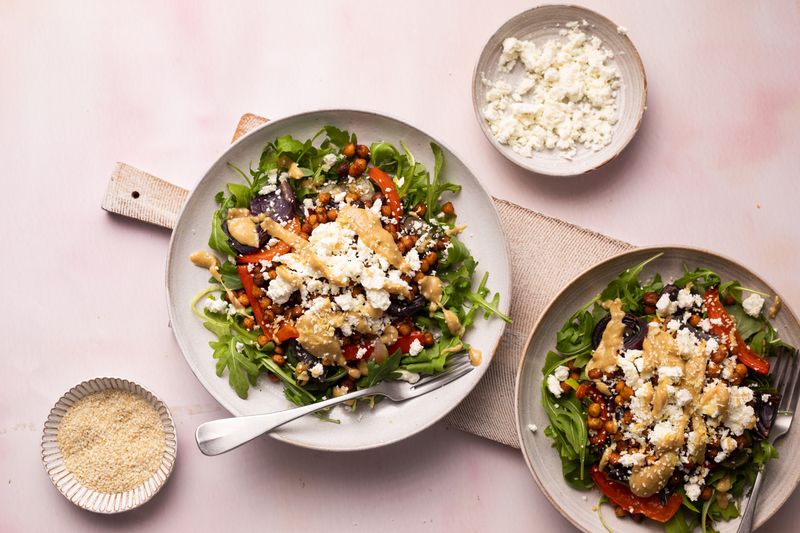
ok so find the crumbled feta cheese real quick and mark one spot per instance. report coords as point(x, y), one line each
point(685, 299)
point(568, 95)
point(683, 396)
point(379, 299)
point(661, 431)
point(752, 304)
point(705, 325)
point(328, 161)
point(239, 347)
point(739, 416)
point(279, 290)
point(685, 341)
point(673, 325)
point(665, 306)
point(216, 306)
point(415, 348)
point(711, 346)
point(554, 386)
point(317, 370)
point(561, 373)
point(532, 428)
point(413, 260)
point(361, 352)
point(405, 375)
point(632, 459)
point(692, 491)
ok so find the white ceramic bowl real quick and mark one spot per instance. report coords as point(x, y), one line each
point(543, 460)
point(541, 24)
point(70, 487)
point(388, 422)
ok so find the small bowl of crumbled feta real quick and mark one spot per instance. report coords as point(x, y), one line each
point(559, 90)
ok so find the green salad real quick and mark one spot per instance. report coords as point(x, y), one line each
point(659, 394)
point(338, 266)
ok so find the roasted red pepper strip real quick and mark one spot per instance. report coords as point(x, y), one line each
point(270, 253)
point(384, 181)
point(726, 330)
point(621, 495)
point(403, 344)
point(248, 286)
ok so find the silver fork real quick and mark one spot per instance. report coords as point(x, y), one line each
point(786, 381)
point(225, 434)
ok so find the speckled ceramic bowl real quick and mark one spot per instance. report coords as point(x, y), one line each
point(577, 506)
point(539, 25)
point(70, 487)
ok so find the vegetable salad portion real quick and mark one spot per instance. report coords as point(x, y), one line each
point(343, 268)
point(660, 395)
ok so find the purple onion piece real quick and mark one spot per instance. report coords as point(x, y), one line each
point(633, 337)
point(765, 413)
point(402, 308)
point(275, 205)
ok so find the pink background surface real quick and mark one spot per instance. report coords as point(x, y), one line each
point(160, 85)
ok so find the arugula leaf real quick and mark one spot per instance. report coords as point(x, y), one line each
point(383, 371)
point(240, 368)
point(338, 137)
point(679, 523)
point(241, 193)
point(384, 156)
point(286, 144)
point(627, 287)
point(230, 276)
point(746, 324)
point(575, 336)
point(219, 239)
point(702, 278)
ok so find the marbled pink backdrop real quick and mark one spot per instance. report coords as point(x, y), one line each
point(160, 85)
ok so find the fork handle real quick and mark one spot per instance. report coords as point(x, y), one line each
point(219, 436)
point(748, 518)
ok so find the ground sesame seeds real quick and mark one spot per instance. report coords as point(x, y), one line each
point(112, 440)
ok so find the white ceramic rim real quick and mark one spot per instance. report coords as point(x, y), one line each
point(530, 164)
point(65, 481)
point(505, 291)
point(760, 519)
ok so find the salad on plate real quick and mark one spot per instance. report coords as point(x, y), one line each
point(659, 395)
point(340, 267)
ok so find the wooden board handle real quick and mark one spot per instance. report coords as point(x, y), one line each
point(136, 194)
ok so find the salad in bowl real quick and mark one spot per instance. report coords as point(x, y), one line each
point(338, 265)
point(659, 394)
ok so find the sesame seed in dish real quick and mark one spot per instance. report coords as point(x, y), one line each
point(111, 441)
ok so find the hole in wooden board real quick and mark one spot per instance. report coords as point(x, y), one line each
point(135, 194)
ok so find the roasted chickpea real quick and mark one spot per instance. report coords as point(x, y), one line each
point(718, 356)
point(649, 309)
point(619, 386)
point(626, 393)
point(404, 329)
point(741, 370)
point(565, 387)
point(694, 320)
point(712, 369)
point(619, 400)
point(351, 197)
point(620, 512)
point(575, 375)
point(595, 373)
point(706, 493)
point(284, 162)
point(262, 340)
point(594, 410)
point(324, 197)
point(358, 167)
point(614, 458)
point(420, 209)
point(343, 169)
point(332, 215)
point(248, 323)
point(427, 339)
point(362, 151)
point(278, 359)
point(349, 150)
point(272, 274)
point(386, 210)
point(243, 300)
point(594, 423)
point(278, 349)
point(306, 228)
point(650, 298)
point(312, 219)
point(627, 417)
point(448, 209)
point(610, 426)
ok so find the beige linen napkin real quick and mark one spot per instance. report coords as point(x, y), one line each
point(546, 253)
